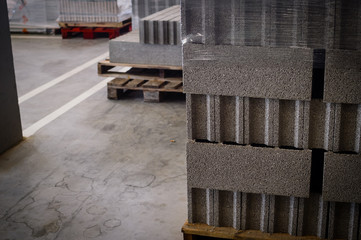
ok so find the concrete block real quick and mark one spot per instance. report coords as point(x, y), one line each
point(322, 124)
point(342, 77)
point(249, 169)
point(128, 49)
point(282, 73)
point(343, 220)
point(251, 211)
point(155, 28)
point(341, 177)
point(283, 217)
point(226, 208)
point(348, 137)
point(294, 123)
point(201, 117)
point(312, 216)
point(143, 8)
point(251, 121)
point(197, 205)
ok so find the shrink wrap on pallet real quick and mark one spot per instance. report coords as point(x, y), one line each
point(95, 11)
point(33, 15)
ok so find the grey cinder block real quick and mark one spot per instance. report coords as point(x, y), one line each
point(342, 76)
point(284, 213)
point(343, 220)
point(143, 8)
point(282, 73)
point(247, 169)
point(201, 117)
point(313, 212)
point(128, 49)
point(249, 121)
point(160, 27)
point(341, 178)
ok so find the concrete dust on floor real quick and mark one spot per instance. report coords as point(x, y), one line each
point(103, 170)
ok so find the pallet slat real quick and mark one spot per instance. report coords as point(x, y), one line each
point(173, 85)
point(148, 66)
point(154, 84)
point(134, 83)
point(194, 231)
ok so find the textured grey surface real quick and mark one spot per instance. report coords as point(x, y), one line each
point(281, 73)
point(342, 178)
point(127, 49)
point(10, 125)
point(249, 169)
point(342, 76)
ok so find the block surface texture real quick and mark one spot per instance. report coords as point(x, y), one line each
point(249, 169)
point(342, 177)
point(280, 73)
point(342, 76)
point(128, 49)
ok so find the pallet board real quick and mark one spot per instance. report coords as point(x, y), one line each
point(106, 65)
point(152, 89)
point(204, 232)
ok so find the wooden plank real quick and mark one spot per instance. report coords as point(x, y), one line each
point(118, 82)
point(154, 84)
point(150, 66)
point(134, 83)
point(173, 85)
point(231, 233)
point(103, 69)
point(144, 77)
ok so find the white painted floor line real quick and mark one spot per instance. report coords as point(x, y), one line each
point(63, 109)
point(63, 77)
point(34, 37)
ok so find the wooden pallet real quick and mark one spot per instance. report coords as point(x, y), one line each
point(152, 89)
point(206, 232)
point(153, 80)
point(92, 30)
point(124, 23)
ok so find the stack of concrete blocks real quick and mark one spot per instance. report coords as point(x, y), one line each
point(144, 8)
point(95, 11)
point(274, 115)
point(157, 42)
point(162, 27)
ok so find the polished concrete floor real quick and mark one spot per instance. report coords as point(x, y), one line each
point(102, 170)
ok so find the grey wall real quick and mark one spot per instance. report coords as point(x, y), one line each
point(10, 125)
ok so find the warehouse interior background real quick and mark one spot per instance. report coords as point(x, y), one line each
point(180, 119)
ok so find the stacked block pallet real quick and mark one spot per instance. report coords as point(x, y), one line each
point(274, 118)
point(154, 52)
point(93, 30)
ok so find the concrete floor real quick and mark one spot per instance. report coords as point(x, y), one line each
point(104, 169)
